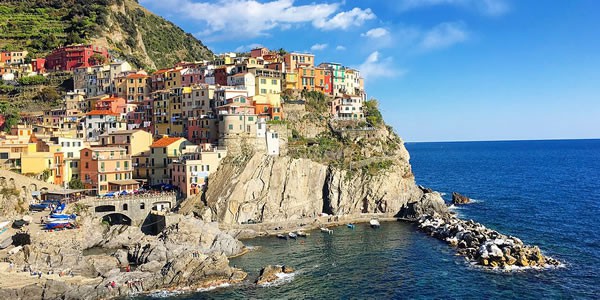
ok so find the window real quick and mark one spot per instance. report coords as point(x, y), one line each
point(125, 206)
point(142, 205)
point(263, 81)
point(230, 126)
point(274, 81)
point(250, 118)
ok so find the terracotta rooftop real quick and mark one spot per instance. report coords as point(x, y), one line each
point(101, 112)
point(137, 76)
point(164, 142)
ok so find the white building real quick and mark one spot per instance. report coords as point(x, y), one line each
point(98, 122)
point(243, 80)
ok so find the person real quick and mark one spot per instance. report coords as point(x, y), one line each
point(41, 220)
point(127, 268)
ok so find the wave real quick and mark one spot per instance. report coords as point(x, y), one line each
point(282, 278)
point(165, 294)
point(514, 268)
point(214, 287)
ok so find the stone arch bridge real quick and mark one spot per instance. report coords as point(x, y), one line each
point(131, 209)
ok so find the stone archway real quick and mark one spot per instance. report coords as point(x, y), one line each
point(2, 181)
point(11, 183)
point(117, 219)
point(33, 187)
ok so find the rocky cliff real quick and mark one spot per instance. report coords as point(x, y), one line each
point(339, 170)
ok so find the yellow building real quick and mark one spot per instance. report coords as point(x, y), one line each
point(168, 116)
point(133, 87)
point(162, 153)
point(267, 81)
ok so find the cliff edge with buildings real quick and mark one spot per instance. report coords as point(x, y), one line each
point(325, 166)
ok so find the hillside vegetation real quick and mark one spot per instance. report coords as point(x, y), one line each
point(132, 32)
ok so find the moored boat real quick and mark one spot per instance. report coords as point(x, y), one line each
point(301, 233)
point(374, 223)
point(326, 230)
point(292, 235)
point(63, 216)
point(350, 225)
point(282, 236)
point(6, 242)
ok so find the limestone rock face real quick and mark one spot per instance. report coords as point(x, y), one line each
point(272, 189)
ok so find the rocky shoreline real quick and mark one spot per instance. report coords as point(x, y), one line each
point(187, 255)
point(483, 246)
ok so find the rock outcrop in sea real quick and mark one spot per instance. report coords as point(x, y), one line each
point(459, 199)
point(483, 246)
point(271, 273)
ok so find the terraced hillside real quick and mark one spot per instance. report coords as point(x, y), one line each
point(123, 26)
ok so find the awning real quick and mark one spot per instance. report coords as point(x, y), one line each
point(124, 182)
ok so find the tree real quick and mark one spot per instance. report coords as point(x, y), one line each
point(282, 51)
point(76, 184)
point(10, 114)
point(97, 59)
point(48, 95)
point(32, 80)
point(372, 113)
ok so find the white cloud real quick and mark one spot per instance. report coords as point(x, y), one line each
point(231, 19)
point(318, 47)
point(345, 19)
point(340, 48)
point(376, 33)
point(374, 67)
point(444, 35)
point(246, 48)
point(486, 7)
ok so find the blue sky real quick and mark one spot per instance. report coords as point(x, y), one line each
point(442, 70)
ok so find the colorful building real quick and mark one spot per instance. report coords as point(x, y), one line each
point(71, 57)
point(190, 171)
point(162, 153)
point(107, 169)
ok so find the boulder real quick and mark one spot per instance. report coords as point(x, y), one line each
point(269, 273)
point(458, 199)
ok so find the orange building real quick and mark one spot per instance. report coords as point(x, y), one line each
point(294, 61)
point(115, 105)
point(107, 169)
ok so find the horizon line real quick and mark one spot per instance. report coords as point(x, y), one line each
point(506, 140)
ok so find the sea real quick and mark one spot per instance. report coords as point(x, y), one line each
point(545, 192)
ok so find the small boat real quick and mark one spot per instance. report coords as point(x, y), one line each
point(374, 223)
point(6, 242)
point(63, 216)
point(38, 207)
point(17, 224)
point(3, 224)
point(58, 224)
point(301, 234)
point(326, 230)
point(351, 226)
point(292, 235)
point(282, 236)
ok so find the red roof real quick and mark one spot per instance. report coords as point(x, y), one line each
point(101, 112)
point(164, 142)
point(137, 76)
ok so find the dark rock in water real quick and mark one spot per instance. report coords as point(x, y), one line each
point(425, 190)
point(269, 273)
point(460, 199)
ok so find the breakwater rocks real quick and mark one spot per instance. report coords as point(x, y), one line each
point(483, 246)
point(271, 273)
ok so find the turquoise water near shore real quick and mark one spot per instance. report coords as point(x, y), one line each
point(545, 192)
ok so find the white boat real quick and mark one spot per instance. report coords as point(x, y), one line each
point(326, 230)
point(292, 235)
point(374, 223)
point(282, 236)
point(3, 224)
point(6, 242)
point(301, 233)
